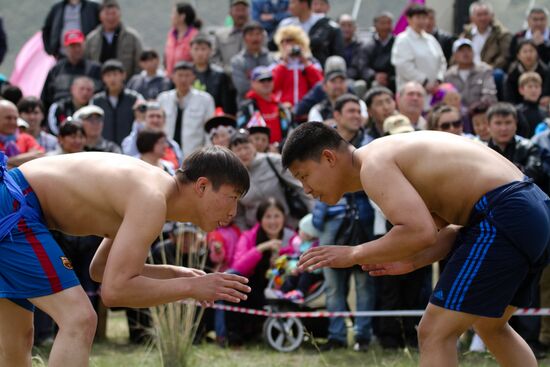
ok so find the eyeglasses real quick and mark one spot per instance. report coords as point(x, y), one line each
point(447, 125)
point(265, 80)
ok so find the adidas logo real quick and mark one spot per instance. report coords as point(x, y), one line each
point(439, 295)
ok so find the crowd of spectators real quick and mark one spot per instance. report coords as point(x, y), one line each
point(245, 86)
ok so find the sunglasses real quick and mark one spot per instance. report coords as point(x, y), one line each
point(265, 80)
point(447, 125)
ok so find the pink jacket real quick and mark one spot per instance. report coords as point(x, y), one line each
point(178, 49)
point(222, 245)
point(247, 255)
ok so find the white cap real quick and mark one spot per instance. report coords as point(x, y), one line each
point(86, 111)
point(22, 123)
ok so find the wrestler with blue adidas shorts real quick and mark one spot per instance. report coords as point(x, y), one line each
point(446, 196)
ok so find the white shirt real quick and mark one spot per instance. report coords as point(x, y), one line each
point(478, 41)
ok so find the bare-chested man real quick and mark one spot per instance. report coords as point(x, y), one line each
point(127, 202)
point(444, 195)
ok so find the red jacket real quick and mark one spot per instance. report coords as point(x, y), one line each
point(292, 83)
point(269, 109)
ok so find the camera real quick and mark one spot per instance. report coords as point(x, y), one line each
point(295, 51)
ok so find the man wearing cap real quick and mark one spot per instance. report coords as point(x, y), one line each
point(228, 41)
point(254, 54)
point(113, 40)
point(260, 98)
point(116, 101)
point(474, 81)
point(334, 85)
point(61, 75)
point(91, 118)
point(66, 15)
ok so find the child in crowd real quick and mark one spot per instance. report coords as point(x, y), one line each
point(530, 113)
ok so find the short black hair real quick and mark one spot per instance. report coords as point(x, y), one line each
point(240, 137)
point(416, 9)
point(309, 2)
point(375, 92)
point(69, 128)
point(219, 165)
point(12, 93)
point(183, 65)
point(308, 140)
point(251, 26)
point(201, 39)
point(109, 4)
point(525, 42)
point(29, 104)
point(112, 65)
point(148, 54)
point(478, 108)
point(343, 99)
point(502, 109)
point(147, 138)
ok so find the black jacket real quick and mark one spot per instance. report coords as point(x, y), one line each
point(326, 40)
point(543, 48)
point(530, 114)
point(53, 26)
point(373, 57)
point(511, 86)
point(446, 41)
point(216, 82)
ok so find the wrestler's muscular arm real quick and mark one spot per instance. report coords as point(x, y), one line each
point(123, 281)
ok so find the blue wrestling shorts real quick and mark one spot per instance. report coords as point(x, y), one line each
point(499, 256)
point(31, 262)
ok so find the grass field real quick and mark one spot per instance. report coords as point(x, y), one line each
point(116, 352)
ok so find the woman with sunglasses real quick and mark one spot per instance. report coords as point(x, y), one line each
point(447, 118)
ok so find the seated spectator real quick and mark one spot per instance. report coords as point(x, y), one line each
point(151, 145)
point(229, 40)
point(269, 13)
point(185, 26)
point(220, 129)
point(210, 77)
point(186, 110)
point(260, 135)
point(82, 91)
point(253, 54)
point(296, 72)
point(261, 99)
point(256, 250)
point(151, 81)
point(373, 61)
point(63, 16)
point(380, 105)
point(537, 30)
point(72, 139)
point(530, 113)
point(334, 84)
point(527, 59)
point(60, 78)
point(155, 119)
point(262, 168)
point(446, 94)
point(473, 81)
point(324, 34)
point(19, 147)
point(445, 39)
point(113, 40)
point(116, 102)
point(480, 124)
point(447, 119)
point(91, 118)
point(410, 102)
point(31, 110)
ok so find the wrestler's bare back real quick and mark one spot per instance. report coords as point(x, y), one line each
point(450, 173)
point(88, 193)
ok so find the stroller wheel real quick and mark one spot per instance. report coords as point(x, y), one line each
point(283, 335)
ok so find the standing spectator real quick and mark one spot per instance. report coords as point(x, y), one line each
point(269, 13)
point(473, 81)
point(82, 91)
point(185, 26)
point(410, 102)
point(113, 40)
point(380, 105)
point(373, 62)
point(296, 73)
point(31, 110)
point(62, 74)
point(151, 81)
point(416, 55)
point(210, 77)
point(320, 6)
point(3, 41)
point(116, 102)
point(445, 39)
point(186, 109)
point(91, 118)
point(530, 113)
point(261, 99)
point(230, 41)
point(19, 147)
point(490, 40)
point(324, 34)
point(352, 45)
point(537, 30)
point(254, 54)
point(64, 16)
point(527, 59)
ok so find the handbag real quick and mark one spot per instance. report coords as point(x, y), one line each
point(296, 205)
point(351, 231)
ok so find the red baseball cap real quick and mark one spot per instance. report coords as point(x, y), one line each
point(73, 36)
